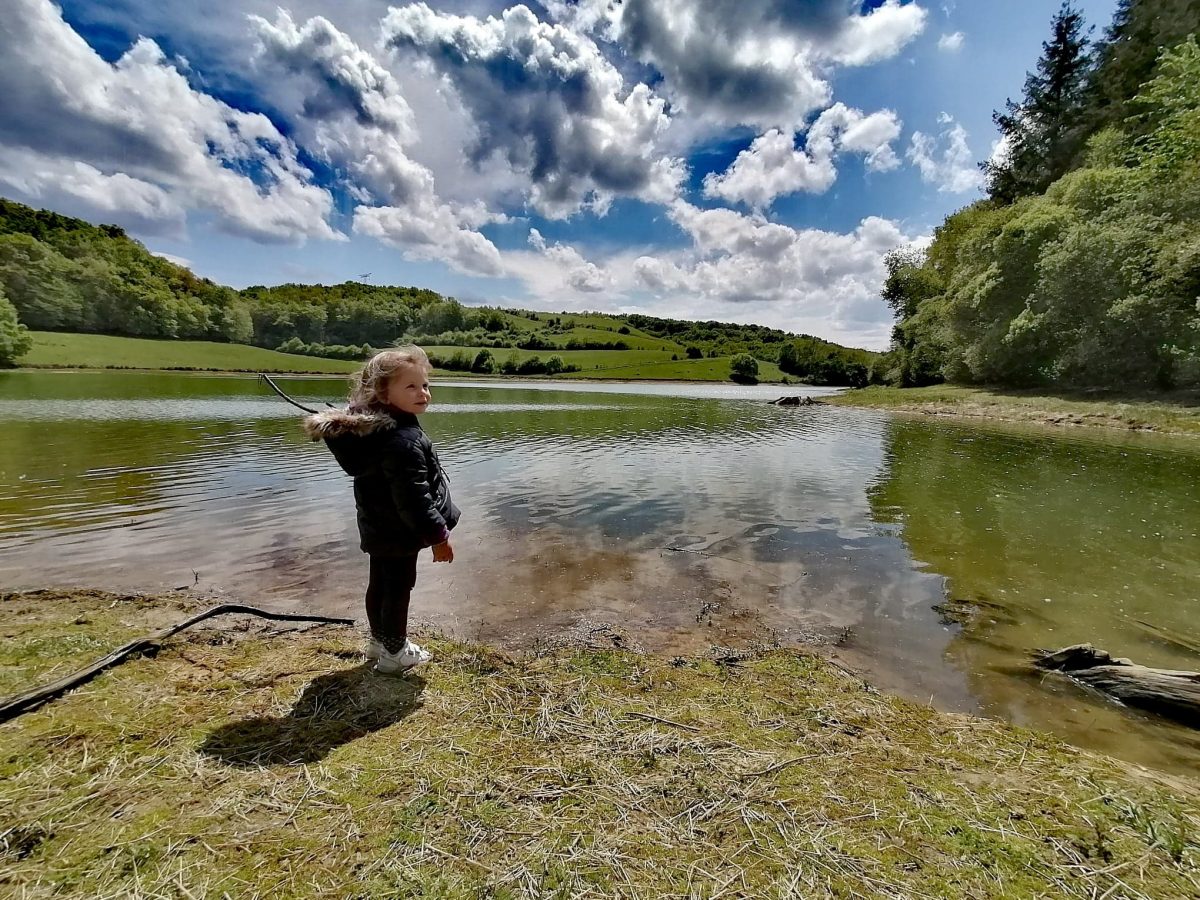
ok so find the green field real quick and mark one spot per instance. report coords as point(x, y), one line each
point(101, 351)
point(625, 364)
point(98, 351)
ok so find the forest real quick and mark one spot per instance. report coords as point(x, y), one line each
point(1081, 267)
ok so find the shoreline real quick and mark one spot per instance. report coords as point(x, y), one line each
point(252, 758)
point(1171, 414)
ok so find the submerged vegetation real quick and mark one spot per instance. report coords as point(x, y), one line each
point(253, 761)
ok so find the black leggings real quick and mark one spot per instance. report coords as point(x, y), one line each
point(388, 593)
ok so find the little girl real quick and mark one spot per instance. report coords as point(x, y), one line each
point(400, 490)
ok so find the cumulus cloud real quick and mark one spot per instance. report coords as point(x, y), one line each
point(951, 43)
point(738, 268)
point(945, 161)
point(772, 167)
point(352, 114)
point(763, 64)
point(138, 128)
point(429, 231)
point(576, 272)
point(544, 98)
point(80, 189)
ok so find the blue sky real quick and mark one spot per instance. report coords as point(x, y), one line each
point(723, 159)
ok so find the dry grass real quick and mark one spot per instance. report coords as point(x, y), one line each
point(259, 763)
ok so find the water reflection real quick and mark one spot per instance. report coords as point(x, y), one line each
point(1055, 541)
point(690, 521)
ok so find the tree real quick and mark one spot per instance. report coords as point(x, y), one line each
point(1128, 54)
point(1044, 132)
point(484, 363)
point(15, 341)
point(744, 368)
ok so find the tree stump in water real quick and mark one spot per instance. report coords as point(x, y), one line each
point(1171, 693)
point(796, 401)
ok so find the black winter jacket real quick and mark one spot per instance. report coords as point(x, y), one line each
point(400, 489)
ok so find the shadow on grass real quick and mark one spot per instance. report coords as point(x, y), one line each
point(334, 709)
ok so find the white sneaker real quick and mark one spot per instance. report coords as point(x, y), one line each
point(405, 658)
point(374, 648)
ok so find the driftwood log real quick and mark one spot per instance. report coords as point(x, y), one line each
point(796, 401)
point(1170, 693)
point(14, 706)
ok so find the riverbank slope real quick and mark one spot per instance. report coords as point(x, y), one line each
point(1177, 413)
point(251, 760)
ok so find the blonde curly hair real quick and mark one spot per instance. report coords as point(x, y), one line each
point(369, 385)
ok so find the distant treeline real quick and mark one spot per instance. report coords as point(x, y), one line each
point(809, 358)
point(1082, 268)
point(63, 274)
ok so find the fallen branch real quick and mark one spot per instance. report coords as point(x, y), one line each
point(19, 704)
point(1168, 692)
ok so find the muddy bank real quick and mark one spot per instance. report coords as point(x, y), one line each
point(250, 759)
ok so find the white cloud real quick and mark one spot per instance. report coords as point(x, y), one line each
point(429, 232)
point(951, 43)
point(547, 101)
point(739, 268)
point(573, 271)
point(85, 191)
point(946, 161)
point(878, 35)
point(139, 118)
point(762, 64)
point(772, 167)
point(352, 113)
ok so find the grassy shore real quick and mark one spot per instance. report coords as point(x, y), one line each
point(244, 761)
point(1170, 413)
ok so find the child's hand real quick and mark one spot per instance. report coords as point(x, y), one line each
point(443, 552)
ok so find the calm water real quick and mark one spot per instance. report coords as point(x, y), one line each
point(686, 515)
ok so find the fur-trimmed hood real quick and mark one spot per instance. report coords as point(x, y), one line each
point(357, 437)
point(336, 423)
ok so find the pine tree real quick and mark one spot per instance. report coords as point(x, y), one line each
point(1043, 133)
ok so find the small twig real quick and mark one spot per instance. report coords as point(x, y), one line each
point(770, 770)
point(651, 718)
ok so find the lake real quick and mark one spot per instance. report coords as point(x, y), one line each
point(672, 518)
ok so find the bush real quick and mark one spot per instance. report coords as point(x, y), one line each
point(743, 369)
point(484, 364)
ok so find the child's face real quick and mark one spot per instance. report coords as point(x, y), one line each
point(408, 390)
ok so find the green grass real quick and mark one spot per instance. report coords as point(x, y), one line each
point(97, 351)
point(248, 762)
point(100, 351)
point(1177, 413)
